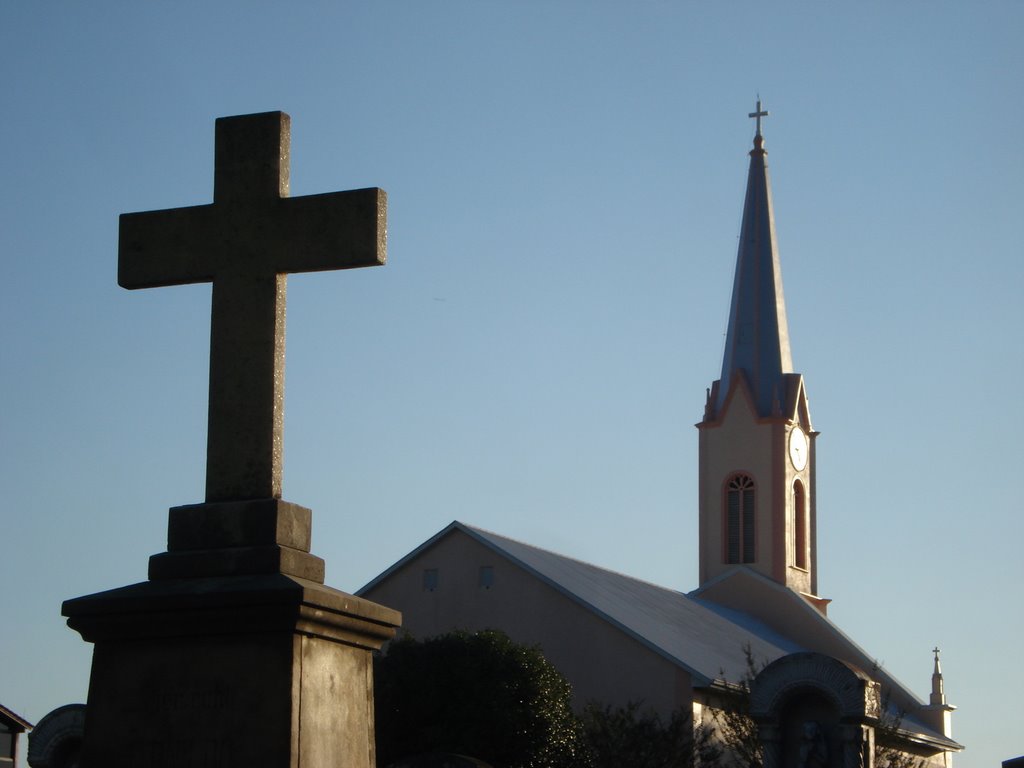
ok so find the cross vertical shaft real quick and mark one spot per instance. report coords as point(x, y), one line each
point(245, 432)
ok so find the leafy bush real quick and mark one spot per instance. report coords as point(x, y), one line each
point(477, 694)
point(629, 736)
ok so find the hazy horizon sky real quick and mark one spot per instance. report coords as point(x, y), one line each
point(565, 183)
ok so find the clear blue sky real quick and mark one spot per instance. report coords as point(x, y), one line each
point(565, 183)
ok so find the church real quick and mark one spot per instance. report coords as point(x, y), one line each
point(817, 697)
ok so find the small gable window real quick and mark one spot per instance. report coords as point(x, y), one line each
point(486, 576)
point(739, 520)
point(429, 579)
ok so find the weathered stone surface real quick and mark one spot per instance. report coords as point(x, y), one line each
point(236, 561)
point(264, 670)
point(230, 605)
point(257, 522)
point(241, 537)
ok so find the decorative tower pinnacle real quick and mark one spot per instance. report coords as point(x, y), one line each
point(938, 697)
point(937, 713)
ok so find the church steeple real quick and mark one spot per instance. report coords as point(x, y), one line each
point(757, 446)
point(757, 338)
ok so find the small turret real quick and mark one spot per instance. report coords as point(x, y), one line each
point(938, 696)
point(938, 714)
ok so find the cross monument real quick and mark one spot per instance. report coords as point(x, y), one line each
point(234, 653)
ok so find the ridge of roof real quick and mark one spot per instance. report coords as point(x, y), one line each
point(906, 701)
point(402, 561)
point(742, 620)
point(498, 537)
point(862, 659)
point(685, 632)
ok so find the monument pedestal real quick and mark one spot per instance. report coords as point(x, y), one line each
point(231, 655)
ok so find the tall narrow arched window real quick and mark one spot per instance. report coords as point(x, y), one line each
point(739, 520)
point(799, 525)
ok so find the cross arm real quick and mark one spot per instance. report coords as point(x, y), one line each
point(169, 247)
point(337, 230)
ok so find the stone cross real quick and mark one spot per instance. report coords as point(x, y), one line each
point(758, 113)
point(245, 243)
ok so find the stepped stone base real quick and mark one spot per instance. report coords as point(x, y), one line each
point(231, 666)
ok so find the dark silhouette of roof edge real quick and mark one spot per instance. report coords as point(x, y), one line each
point(15, 719)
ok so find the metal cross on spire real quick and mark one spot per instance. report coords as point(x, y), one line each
point(759, 114)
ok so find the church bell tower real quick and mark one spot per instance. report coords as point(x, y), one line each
point(757, 454)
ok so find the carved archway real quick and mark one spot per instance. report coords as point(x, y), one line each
point(797, 686)
point(56, 741)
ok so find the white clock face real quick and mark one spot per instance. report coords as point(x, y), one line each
point(798, 448)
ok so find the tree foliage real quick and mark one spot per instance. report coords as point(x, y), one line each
point(477, 694)
point(887, 738)
point(630, 736)
point(483, 695)
point(736, 729)
point(486, 696)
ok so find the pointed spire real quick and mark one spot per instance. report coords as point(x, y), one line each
point(757, 340)
point(938, 696)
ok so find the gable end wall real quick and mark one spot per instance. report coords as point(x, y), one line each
point(573, 638)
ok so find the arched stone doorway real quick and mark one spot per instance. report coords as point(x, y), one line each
point(814, 711)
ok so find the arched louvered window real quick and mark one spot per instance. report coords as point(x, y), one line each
point(799, 525)
point(739, 520)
